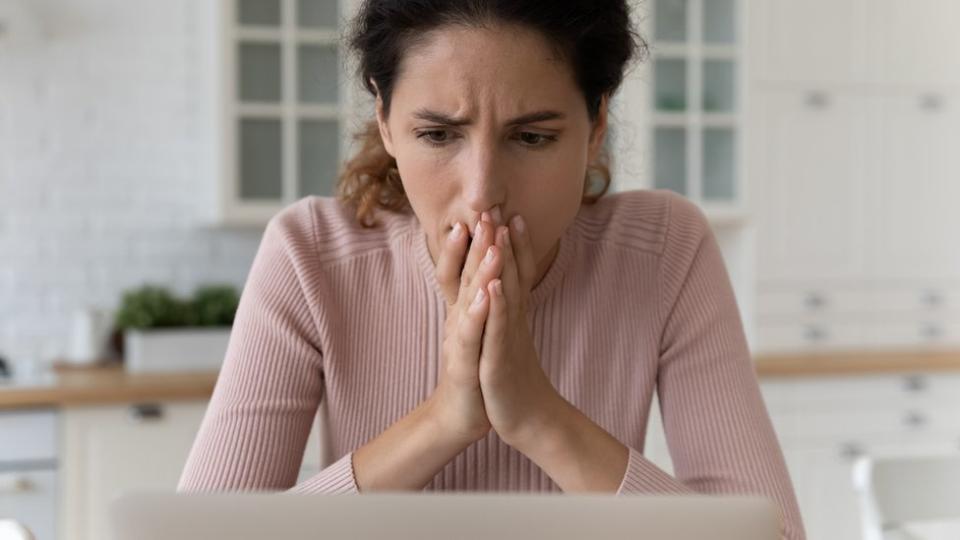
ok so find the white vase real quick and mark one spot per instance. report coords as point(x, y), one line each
point(175, 349)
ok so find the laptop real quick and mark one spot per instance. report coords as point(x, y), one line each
point(458, 515)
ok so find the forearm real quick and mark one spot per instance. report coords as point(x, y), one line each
point(407, 455)
point(575, 452)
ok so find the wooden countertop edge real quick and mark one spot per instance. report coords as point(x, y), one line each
point(110, 384)
point(103, 385)
point(855, 363)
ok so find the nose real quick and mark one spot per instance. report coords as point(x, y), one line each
point(485, 188)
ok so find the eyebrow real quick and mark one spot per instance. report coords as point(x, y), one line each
point(440, 118)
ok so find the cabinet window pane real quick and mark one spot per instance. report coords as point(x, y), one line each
point(261, 158)
point(670, 159)
point(319, 157)
point(719, 86)
point(671, 84)
point(718, 21)
point(317, 13)
point(718, 163)
point(259, 72)
point(317, 74)
point(670, 23)
point(259, 12)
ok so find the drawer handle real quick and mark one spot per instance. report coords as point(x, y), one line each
point(817, 99)
point(852, 450)
point(931, 299)
point(15, 483)
point(931, 102)
point(814, 333)
point(146, 412)
point(915, 420)
point(915, 383)
point(931, 331)
point(815, 300)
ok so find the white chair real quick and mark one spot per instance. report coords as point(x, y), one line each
point(12, 530)
point(894, 492)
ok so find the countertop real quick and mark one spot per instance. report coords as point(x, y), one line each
point(109, 383)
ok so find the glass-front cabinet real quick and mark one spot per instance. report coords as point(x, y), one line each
point(696, 93)
point(282, 104)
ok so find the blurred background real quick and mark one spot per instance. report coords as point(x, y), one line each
point(144, 145)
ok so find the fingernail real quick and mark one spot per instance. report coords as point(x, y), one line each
point(485, 216)
point(476, 231)
point(518, 224)
point(479, 299)
point(495, 214)
point(456, 232)
point(489, 258)
point(498, 287)
point(506, 237)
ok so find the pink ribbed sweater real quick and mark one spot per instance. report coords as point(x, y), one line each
point(637, 299)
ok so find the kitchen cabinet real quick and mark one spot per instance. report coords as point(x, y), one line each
point(825, 423)
point(109, 449)
point(28, 469)
point(282, 105)
point(852, 149)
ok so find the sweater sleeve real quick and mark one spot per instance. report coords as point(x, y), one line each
point(254, 431)
point(717, 427)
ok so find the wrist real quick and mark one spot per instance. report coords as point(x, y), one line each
point(545, 431)
point(437, 416)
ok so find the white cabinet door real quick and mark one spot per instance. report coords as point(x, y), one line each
point(809, 41)
point(914, 42)
point(811, 182)
point(915, 219)
point(109, 449)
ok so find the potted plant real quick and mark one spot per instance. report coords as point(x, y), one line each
point(163, 333)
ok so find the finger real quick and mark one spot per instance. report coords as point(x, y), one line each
point(510, 276)
point(451, 259)
point(523, 252)
point(470, 325)
point(482, 239)
point(494, 335)
point(490, 267)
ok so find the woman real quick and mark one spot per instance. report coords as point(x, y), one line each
point(475, 317)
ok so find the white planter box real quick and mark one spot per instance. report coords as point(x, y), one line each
point(175, 349)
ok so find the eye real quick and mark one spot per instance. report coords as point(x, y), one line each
point(434, 137)
point(535, 140)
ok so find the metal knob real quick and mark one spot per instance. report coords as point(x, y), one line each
point(915, 383)
point(931, 331)
point(15, 483)
point(815, 300)
point(814, 333)
point(931, 102)
point(931, 298)
point(817, 99)
point(852, 450)
point(146, 412)
point(914, 419)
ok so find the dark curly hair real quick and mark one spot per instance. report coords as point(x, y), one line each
point(595, 36)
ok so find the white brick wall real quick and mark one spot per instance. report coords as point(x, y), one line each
point(104, 163)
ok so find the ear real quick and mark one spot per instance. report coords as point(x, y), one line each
point(599, 130)
point(382, 123)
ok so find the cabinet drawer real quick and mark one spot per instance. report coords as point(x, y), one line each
point(917, 299)
point(812, 336)
point(863, 391)
point(917, 424)
point(919, 332)
point(30, 497)
point(812, 301)
point(28, 435)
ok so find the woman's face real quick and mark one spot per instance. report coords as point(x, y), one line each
point(488, 118)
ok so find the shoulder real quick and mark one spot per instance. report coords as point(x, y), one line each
point(329, 231)
point(656, 221)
